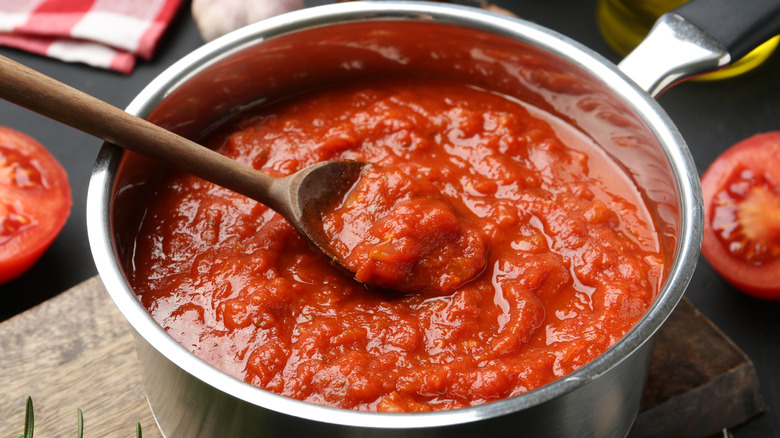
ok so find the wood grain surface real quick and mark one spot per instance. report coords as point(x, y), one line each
point(77, 351)
point(699, 381)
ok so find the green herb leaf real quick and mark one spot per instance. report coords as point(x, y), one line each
point(138, 430)
point(29, 419)
point(80, 431)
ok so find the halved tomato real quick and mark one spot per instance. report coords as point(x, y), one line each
point(35, 202)
point(742, 215)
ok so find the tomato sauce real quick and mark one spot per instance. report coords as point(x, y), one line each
point(557, 255)
point(398, 232)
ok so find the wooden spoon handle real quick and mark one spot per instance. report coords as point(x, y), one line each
point(51, 98)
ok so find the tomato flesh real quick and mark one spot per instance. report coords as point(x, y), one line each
point(35, 202)
point(742, 215)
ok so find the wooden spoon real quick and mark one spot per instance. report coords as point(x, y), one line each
point(300, 198)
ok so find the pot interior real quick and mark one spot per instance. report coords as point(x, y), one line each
point(264, 64)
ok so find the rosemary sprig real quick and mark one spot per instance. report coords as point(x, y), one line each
point(29, 418)
point(29, 421)
point(80, 421)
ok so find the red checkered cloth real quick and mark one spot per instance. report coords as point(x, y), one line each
point(108, 34)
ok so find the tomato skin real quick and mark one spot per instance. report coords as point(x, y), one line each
point(741, 192)
point(35, 202)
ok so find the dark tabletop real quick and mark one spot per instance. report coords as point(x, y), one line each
point(710, 115)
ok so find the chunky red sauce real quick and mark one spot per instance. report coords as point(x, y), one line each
point(398, 232)
point(570, 255)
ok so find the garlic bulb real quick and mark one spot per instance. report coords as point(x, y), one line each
point(215, 18)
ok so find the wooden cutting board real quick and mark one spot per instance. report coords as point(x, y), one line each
point(77, 351)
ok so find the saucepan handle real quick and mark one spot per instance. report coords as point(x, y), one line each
point(700, 36)
point(739, 25)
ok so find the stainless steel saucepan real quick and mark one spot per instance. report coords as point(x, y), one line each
point(612, 105)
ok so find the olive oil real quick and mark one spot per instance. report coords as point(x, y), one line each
point(624, 23)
